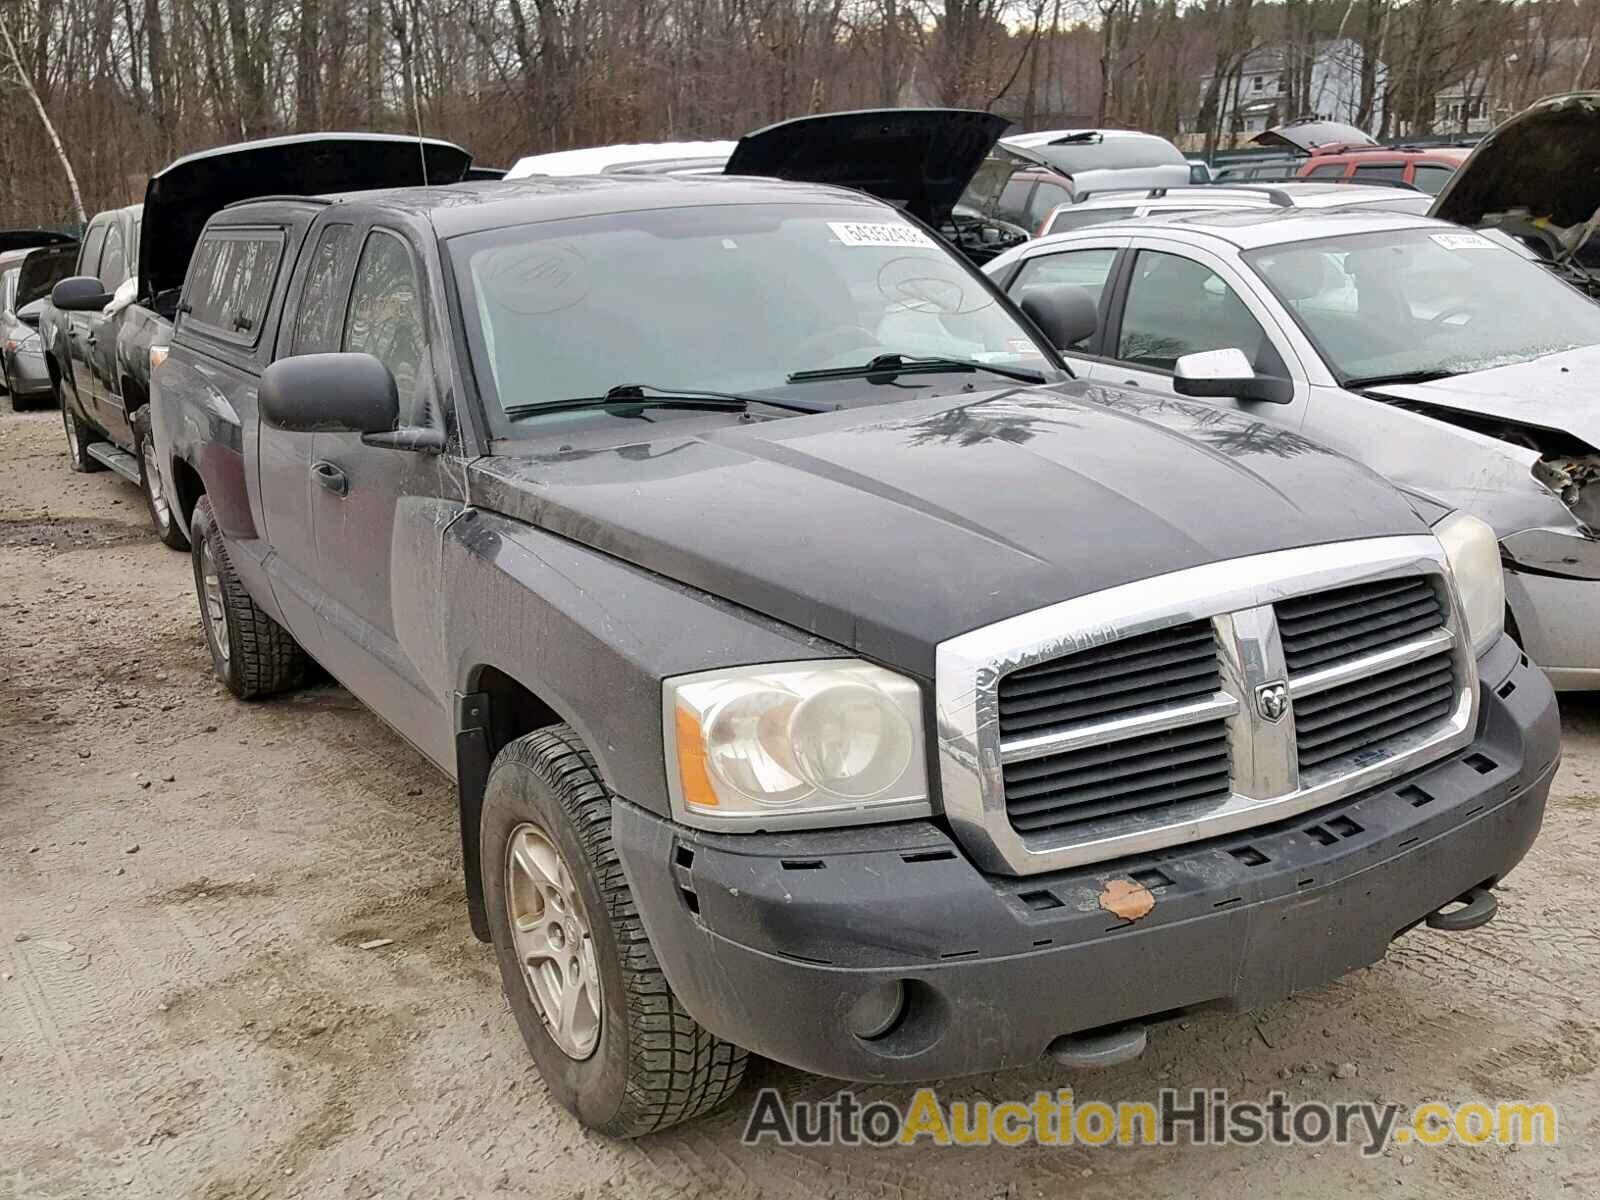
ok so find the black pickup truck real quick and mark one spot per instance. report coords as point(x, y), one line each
point(825, 673)
point(108, 322)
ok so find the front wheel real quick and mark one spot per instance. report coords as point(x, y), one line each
point(168, 528)
point(613, 1043)
point(251, 653)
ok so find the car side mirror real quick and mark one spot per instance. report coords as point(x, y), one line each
point(80, 293)
point(1227, 375)
point(1064, 312)
point(28, 314)
point(329, 393)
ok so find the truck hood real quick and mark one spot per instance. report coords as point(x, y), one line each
point(1309, 135)
point(1546, 159)
point(182, 197)
point(1555, 392)
point(889, 528)
point(920, 159)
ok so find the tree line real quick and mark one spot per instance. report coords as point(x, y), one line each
point(117, 88)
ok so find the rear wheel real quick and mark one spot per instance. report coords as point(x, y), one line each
point(168, 528)
point(251, 653)
point(610, 1038)
point(77, 440)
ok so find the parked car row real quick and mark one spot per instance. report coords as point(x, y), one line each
point(838, 648)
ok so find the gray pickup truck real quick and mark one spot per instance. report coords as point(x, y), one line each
point(825, 673)
point(107, 323)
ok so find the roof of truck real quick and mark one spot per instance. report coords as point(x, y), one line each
point(493, 204)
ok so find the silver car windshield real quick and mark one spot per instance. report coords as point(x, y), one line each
point(1423, 303)
point(734, 298)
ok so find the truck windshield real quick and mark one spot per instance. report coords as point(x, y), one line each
point(731, 298)
point(1429, 302)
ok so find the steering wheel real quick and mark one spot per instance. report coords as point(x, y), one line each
point(831, 343)
point(1437, 321)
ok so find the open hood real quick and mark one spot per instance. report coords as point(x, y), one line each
point(183, 197)
point(918, 158)
point(24, 239)
point(1544, 161)
point(43, 269)
point(1310, 133)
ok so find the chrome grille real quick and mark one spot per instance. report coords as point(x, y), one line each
point(1168, 666)
point(1350, 621)
point(1363, 716)
point(1062, 790)
point(1200, 703)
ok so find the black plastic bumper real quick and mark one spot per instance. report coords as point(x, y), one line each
point(784, 944)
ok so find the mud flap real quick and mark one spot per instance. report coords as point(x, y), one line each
point(472, 778)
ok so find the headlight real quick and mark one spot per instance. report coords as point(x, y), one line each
point(1474, 554)
point(837, 742)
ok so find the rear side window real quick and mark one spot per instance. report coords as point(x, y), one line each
point(1332, 170)
point(1081, 218)
point(317, 325)
point(1045, 197)
point(230, 283)
point(1431, 177)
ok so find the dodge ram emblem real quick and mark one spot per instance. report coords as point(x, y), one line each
point(1272, 700)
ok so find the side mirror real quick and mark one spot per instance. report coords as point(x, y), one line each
point(80, 293)
point(1227, 375)
point(28, 314)
point(330, 393)
point(1064, 313)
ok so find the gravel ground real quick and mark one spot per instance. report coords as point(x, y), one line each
point(186, 1010)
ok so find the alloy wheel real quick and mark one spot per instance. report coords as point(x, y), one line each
point(553, 943)
point(213, 609)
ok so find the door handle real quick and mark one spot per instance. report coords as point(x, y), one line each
point(93, 341)
point(330, 477)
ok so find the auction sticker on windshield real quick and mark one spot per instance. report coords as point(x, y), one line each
point(871, 233)
point(1463, 241)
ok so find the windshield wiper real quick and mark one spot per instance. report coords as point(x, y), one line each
point(633, 398)
point(1366, 381)
point(889, 365)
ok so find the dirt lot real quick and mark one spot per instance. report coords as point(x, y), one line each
point(185, 1009)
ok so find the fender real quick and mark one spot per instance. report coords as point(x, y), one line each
point(590, 638)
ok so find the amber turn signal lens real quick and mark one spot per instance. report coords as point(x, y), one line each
point(692, 774)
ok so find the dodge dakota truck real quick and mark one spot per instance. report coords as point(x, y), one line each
point(109, 321)
point(824, 672)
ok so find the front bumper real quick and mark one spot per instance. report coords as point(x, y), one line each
point(781, 943)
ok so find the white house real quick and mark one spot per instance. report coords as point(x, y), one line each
point(1260, 101)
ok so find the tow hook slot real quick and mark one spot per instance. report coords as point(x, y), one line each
point(1100, 1048)
point(1479, 908)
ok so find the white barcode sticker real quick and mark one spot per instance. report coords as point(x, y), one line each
point(872, 233)
point(1463, 241)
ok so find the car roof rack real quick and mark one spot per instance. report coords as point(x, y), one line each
point(1277, 196)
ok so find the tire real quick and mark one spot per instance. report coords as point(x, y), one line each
point(167, 525)
point(651, 1064)
point(77, 439)
point(251, 653)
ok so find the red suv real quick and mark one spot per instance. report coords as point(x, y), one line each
point(1426, 170)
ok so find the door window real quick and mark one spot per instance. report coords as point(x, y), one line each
point(1045, 197)
point(92, 245)
point(317, 326)
point(385, 319)
point(1176, 306)
point(113, 261)
point(1333, 170)
point(1013, 203)
point(230, 282)
point(1381, 173)
point(1086, 269)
